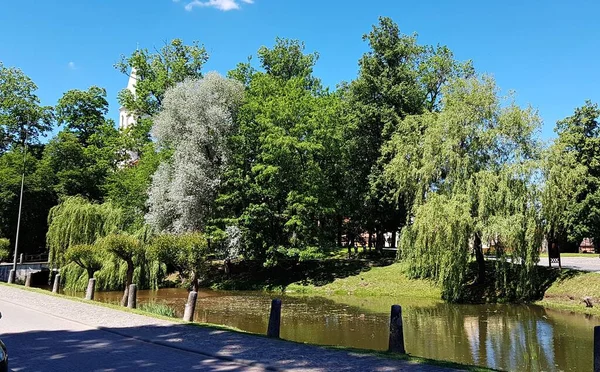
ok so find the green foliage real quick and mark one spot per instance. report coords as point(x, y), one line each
point(4, 249)
point(83, 111)
point(22, 119)
point(77, 221)
point(572, 179)
point(158, 309)
point(87, 256)
point(397, 78)
point(157, 72)
point(470, 179)
point(186, 253)
point(281, 188)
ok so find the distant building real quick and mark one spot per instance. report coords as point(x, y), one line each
point(126, 119)
point(587, 246)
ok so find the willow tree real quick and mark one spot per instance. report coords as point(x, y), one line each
point(77, 221)
point(195, 123)
point(467, 174)
point(127, 248)
point(87, 256)
point(186, 253)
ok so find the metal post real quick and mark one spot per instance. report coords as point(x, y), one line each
point(274, 319)
point(190, 307)
point(56, 286)
point(132, 298)
point(396, 343)
point(20, 204)
point(89, 293)
point(597, 349)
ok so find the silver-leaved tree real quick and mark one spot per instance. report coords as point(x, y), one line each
point(194, 125)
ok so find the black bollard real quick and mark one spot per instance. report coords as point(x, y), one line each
point(28, 280)
point(132, 299)
point(91, 288)
point(597, 349)
point(190, 307)
point(396, 344)
point(274, 319)
point(56, 285)
point(11, 276)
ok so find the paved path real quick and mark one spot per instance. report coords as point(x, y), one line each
point(591, 263)
point(47, 333)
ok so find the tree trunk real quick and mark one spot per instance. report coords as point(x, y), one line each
point(370, 243)
point(393, 242)
point(128, 281)
point(478, 248)
point(195, 285)
point(90, 273)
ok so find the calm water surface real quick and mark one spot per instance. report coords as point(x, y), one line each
point(506, 337)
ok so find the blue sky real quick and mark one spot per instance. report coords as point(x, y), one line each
point(546, 51)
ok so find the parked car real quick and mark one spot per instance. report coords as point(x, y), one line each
point(3, 355)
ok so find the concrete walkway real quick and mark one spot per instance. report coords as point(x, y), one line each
point(47, 333)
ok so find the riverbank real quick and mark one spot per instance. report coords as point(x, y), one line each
point(569, 289)
point(218, 342)
point(384, 281)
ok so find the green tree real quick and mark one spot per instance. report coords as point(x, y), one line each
point(87, 256)
point(83, 112)
point(280, 187)
point(397, 78)
point(186, 253)
point(4, 249)
point(127, 248)
point(22, 119)
point(469, 175)
point(76, 221)
point(572, 180)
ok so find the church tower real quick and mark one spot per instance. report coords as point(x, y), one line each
point(125, 118)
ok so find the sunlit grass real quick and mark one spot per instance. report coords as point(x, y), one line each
point(567, 292)
point(387, 281)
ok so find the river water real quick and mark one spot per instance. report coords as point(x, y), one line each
point(506, 337)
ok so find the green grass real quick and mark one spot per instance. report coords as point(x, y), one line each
point(584, 255)
point(158, 309)
point(567, 291)
point(386, 281)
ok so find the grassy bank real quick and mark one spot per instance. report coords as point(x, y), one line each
point(567, 292)
point(385, 281)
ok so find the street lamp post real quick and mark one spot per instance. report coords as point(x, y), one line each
point(13, 274)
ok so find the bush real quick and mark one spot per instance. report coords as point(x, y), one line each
point(4, 249)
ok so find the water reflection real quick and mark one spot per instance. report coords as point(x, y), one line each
point(506, 337)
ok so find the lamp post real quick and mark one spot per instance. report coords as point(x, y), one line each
point(12, 276)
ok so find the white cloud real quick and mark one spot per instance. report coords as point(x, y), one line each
point(223, 5)
point(71, 65)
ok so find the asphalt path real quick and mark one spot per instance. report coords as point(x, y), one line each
point(41, 342)
point(591, 263)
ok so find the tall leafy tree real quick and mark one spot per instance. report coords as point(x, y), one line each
point(22, 118)
point(572, 180)
point(280, 189)
point(81, 157)
point(397, 77)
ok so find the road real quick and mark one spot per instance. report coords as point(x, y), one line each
point(591, 263)
point(49, 333)
point(42, 342)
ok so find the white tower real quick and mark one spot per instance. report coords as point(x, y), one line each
point(125, 118)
